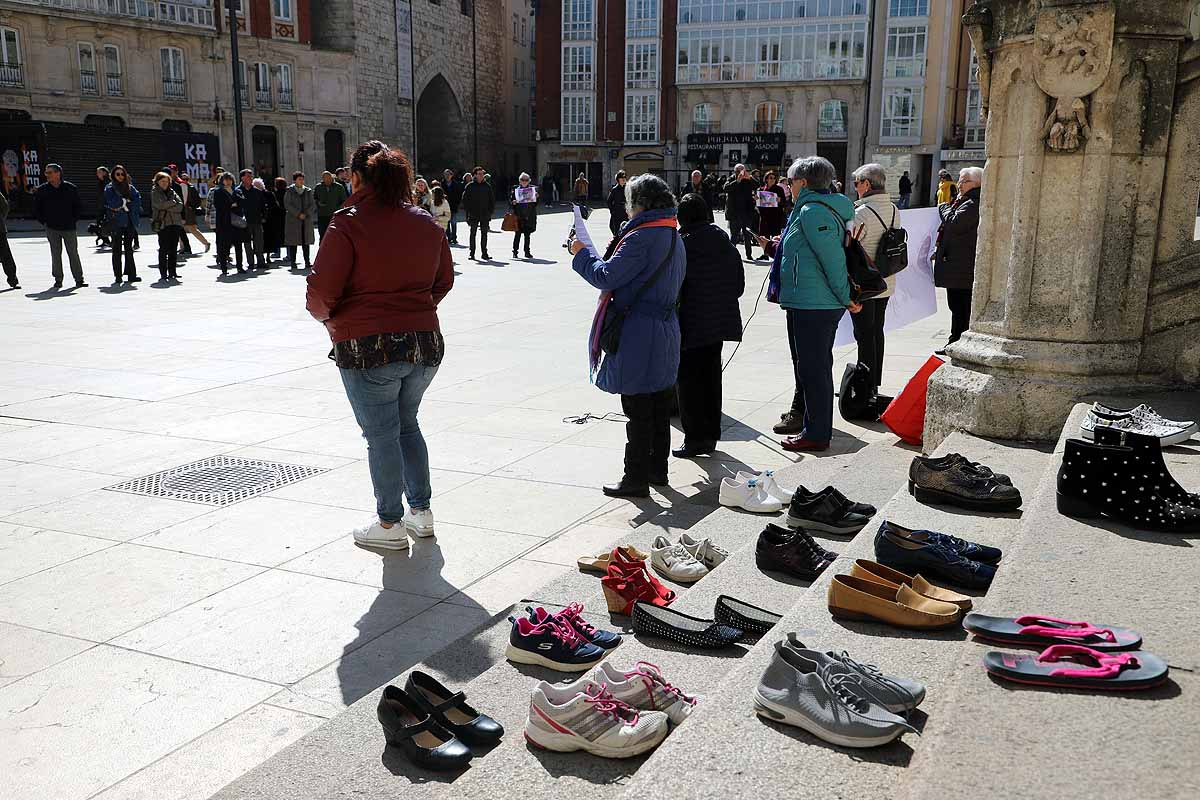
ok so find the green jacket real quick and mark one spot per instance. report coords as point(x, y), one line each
point(329, 198)
point(812, 269)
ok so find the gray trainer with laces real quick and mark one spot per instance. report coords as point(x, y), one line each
point(826, 699)
point(895, 693)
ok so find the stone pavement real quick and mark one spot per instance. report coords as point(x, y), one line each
point(256, 621)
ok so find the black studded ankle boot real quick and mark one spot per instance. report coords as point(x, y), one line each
point(1098, 481)
point(1148, 457)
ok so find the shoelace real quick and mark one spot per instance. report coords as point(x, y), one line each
point(869, 670)
point(564, 632)
point(679, 553)
point(654, 677)
point(603, 702)
point(842, 686)
point(953, 557)
point(571, 615)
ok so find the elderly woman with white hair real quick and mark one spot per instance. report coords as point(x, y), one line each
point(640, 278)
point(523, 201)
point(954, 256)
point(874, 215)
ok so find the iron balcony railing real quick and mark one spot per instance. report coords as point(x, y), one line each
point(11, 74)
point(112, 84)
point(87, 81)
point(175, 88)
point(285, 99)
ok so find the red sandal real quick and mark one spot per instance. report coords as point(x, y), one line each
point(623, 586)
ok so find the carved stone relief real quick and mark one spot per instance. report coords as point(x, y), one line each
point(1074, 47)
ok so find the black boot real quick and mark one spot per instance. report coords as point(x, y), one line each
point(1098, 481)
point(1148, 457)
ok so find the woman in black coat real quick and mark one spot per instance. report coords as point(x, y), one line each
point(954, 255)
point(709, 315)
point(526, 210)
point(273, 233)
point(618, 215)
point(228, 205)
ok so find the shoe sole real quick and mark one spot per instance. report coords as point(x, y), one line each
point(939, 498)
point(1163, 441)
point(809, 525)
point(768, 710)
point(806, 576)
point(399, 544)
point(519, 656)
point(751, 510)
point(564, 743)
point(861, 616)
point(677, 578)
point(417, 530)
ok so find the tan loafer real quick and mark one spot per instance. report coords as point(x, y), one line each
point(860, 599)
point(874, 571)
point(600, 563)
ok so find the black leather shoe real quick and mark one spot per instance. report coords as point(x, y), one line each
point(866, 509)
point(451, 711)
point(691, 449)
point(628, 488)
point(426, 743)
point(793, 553)
point(826, 512)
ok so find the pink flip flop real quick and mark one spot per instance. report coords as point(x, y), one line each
point(1073, 666)
point(1041, 631)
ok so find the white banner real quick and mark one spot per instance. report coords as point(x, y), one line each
point(914, 298)
point(404, 57)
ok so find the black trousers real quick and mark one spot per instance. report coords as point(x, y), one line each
point(741, 233)
point(868, 332)
point(700, 393)
point(797, 409)
point(959, 301)
point(322, 224)
point(482, 227)
point(292, 255)
point(647, 435)
point(517, 240)
point(235, 239)
point(168, 255)
point(122, 243)
point(6, 257)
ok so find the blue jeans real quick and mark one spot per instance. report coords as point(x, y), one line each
point(813, 332)
point(385, 402)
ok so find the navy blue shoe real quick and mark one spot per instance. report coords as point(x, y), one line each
point(930, 558)
point(605, 640)
point(553, 644)
point(976, 552)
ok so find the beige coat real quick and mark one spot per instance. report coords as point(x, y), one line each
point(441, 214)
point(868, 229)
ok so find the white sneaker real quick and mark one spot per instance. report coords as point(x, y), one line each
point(419, 521)
point(1167, 434)
point(675, 562)
point(375, 535)
point(770, 485)
point(644, 688)
point(749, 495)
point(564, 719)
point(704, 551)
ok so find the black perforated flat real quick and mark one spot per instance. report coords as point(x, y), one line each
point(704, 634)
point(738, 614)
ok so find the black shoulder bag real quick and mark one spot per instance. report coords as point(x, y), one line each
point(614, 318)
point(865, 280)
point(892, 254)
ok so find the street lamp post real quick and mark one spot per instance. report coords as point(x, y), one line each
point(234, 7)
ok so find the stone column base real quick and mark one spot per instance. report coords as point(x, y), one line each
point(1017, 389)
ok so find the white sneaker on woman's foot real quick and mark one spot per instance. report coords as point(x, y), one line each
point(419, 521)
point(375, 535)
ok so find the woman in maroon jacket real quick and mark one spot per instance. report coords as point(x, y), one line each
point(380, 309)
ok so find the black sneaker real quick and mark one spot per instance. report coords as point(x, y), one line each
point(825, 512)
point(793, 553)
point(866, 509)
point(789, 424)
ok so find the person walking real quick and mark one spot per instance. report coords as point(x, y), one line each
point(58, 207)
point(329, 194)
point(124, 204)
point(523, 202)
point(300, 204)
point(739, 207)
point(193, 209)
point(166, 209)
point(381, 315)
point(874, 215)
point(454, 193)
point(441, 210)
point(581, 190)
point(954, 253)
point(642, 274)
point(814, 292)
point(906, 187)
point(254, 209)
point(273, 231)
point(709, 316)
point(617, 214)
point(771, 212)
point(230, 222)
point(6, 256)
point(102, 237)
point(478, 203)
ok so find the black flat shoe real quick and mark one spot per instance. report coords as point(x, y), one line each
point(423, 741)
point(691, 449)
point(665, 623)
point(660, 480)
point(451, 711)
point(627, 488)
point(739, 614)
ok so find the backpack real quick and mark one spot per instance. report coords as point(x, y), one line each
point(856, 394)
point(865, 280)
point(892, 254)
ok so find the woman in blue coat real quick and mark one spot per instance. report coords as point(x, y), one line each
point(124, 204)
point(645, 367)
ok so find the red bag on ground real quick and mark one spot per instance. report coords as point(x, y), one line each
point(905, 415)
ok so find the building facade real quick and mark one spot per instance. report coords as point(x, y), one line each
point(517, 106)
point(112, 65)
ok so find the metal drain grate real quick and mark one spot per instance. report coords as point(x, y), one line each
point(217, 481)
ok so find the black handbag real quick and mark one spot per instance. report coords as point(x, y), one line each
point(856, 393)
point(865, 280)
point(614, 318)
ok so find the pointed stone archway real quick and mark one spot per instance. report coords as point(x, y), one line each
point(442, 135)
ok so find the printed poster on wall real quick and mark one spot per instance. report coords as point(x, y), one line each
point(22, 171)
point(404, 74)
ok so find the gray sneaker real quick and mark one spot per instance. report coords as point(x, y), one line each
point(893, 692)
point(827, 700)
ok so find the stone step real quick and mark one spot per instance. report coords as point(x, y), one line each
point(339, 759)
point(729, 750)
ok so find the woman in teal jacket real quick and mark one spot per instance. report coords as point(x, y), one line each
point(814, 291)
